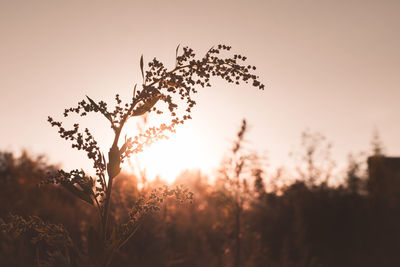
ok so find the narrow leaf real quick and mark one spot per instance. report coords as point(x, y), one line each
point(123, 148)
point(81, 194)
point(105, 113)
point(93, 103)
point(134, 90)
point(146, 106)
point(104, 159)
point(141, 67)
point(176, 55)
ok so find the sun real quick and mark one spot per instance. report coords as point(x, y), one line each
point(167, 158)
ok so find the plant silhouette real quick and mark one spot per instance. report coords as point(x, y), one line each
point(159, 85)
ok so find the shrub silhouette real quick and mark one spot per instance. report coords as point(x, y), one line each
point(297, 225)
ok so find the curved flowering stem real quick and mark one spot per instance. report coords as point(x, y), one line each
point(159, 85)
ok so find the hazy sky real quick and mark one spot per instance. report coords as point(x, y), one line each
point(330, 66)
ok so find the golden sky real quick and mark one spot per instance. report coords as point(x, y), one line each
point(330, 66)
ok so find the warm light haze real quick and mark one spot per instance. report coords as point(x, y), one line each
point(329, 66)
point(208, 133)
point(169, 157)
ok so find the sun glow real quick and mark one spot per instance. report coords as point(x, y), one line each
point(167, 158)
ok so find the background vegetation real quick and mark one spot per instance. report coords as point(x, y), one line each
point(297, 219)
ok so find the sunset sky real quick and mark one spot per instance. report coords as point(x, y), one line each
point(328, 66)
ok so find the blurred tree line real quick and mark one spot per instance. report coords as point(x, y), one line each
point(247, 217)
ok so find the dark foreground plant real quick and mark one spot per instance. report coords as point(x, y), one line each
point(159, 85)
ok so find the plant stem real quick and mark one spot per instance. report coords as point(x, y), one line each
point(114, 148)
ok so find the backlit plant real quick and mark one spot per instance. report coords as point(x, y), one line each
point(175, 88)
